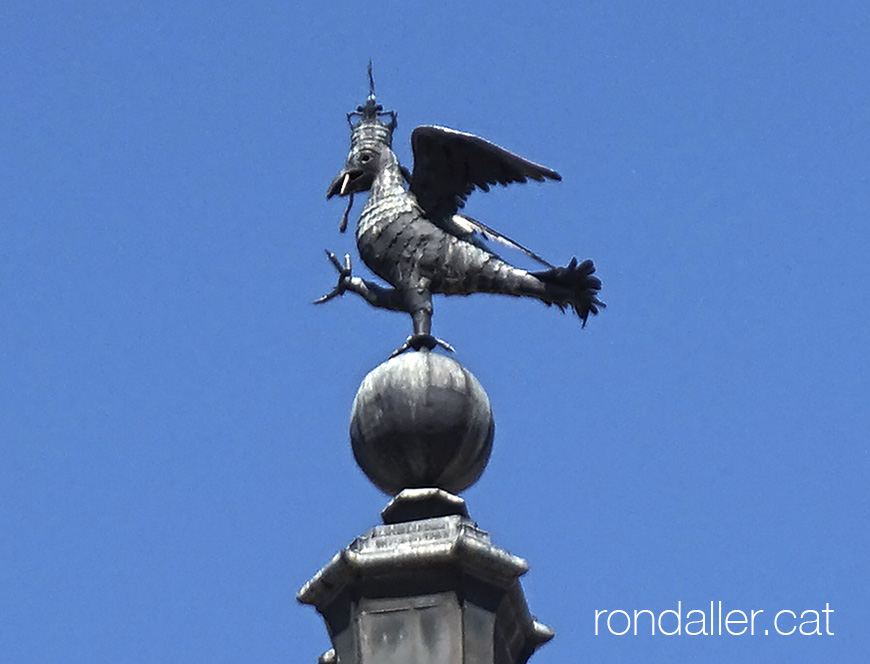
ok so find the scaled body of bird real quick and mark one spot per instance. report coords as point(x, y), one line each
point(415, 239)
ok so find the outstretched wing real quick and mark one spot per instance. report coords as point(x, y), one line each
point(449, 164)
point(465, 227)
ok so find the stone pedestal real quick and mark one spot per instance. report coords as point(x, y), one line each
point(431, 589)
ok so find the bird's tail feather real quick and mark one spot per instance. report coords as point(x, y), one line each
point(574, 286)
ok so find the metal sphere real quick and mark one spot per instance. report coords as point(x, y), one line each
point(421, 420)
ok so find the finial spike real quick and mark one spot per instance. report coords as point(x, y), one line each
point(372, 113)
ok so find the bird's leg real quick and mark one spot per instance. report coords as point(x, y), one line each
point(377, 296)
point(422, 320)
point(420, 304)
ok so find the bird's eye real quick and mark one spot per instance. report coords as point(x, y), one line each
point(365, 157)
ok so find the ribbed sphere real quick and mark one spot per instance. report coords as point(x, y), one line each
point(421, 420)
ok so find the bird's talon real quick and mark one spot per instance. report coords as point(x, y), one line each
point(446, 346)
point(344, 273)
point(421, 342)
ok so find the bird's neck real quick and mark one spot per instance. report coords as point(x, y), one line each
point(389, 181)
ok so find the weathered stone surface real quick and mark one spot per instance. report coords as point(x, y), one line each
point(429, 591)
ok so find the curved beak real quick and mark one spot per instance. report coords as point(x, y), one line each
point(349, 181)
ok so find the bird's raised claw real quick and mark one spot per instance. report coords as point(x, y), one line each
point(344, 272)
point(421, 342)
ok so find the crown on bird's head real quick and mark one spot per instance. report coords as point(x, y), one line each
point(369, 121)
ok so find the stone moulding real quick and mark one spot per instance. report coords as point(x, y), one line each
point(394, 567)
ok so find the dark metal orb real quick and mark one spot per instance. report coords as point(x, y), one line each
point(421, 420)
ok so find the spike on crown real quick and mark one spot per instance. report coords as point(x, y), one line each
point(368, 123)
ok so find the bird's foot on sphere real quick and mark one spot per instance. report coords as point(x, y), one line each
point(344, 272)
point(421, 342)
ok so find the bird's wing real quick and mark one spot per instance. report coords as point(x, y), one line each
point(449, 164)
point(465, 227)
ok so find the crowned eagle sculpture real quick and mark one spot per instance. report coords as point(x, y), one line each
point(412, 234)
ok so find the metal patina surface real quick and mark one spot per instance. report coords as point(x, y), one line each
point(412, 232)
point(421, 420)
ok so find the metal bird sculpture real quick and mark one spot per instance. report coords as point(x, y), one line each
point(414, 236)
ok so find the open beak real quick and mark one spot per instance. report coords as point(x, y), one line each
point(349, 181)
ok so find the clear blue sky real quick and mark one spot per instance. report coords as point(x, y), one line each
point(174, 459)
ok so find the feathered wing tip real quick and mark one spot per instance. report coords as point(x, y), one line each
point(573, 286)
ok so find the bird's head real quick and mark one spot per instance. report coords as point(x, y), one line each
point(360, 169)
point(371, 136)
